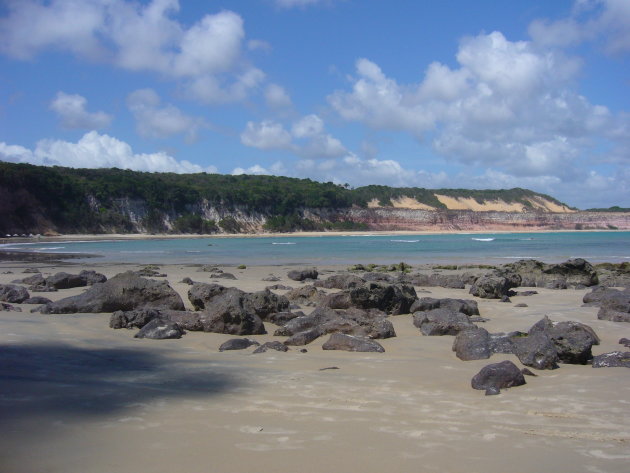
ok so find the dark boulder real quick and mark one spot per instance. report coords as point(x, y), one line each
point(305, 295)
point(573, 340)
point(34, 280)
point(232, 312)
point(615, 306)
point(13, 293)
point(472, 344)
point(465, 306)
point(575, 272)
point(37, 300)
point(393, 299)
point(615, 359)
point(133, 318)
point(264, 303)
point(302, 274)
point(63, 280)
point(305, 337)
point(494, 286)
point(537, 351)
point(125, 291)
point(492, 378)
point(275, 345)
point(441, 322)
point(160, 330)
point(281, 318)
point(340, 281)
point(201, 294)
point(238, 344)
point(341, 341)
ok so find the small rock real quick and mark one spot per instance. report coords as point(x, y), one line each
point(615, 359)
point(492, 378)
point(237, 344)
point(275, 345)
point(160, 330)
point(341, 341)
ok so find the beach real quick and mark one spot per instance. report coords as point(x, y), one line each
point(79, 396)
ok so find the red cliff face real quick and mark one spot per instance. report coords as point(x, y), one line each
point(463, 220)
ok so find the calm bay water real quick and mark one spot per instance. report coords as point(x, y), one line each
point(331, 249)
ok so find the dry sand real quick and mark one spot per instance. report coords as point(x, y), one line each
point(79, 397)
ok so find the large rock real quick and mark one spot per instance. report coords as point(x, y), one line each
point(465, 306)
point(597, 294)
point(492, 378)
point(341, 281)
point(442, 322)
point(393, 299)
point(262, 303)
point(573, 340)
point(160, 330)
point(305, 295)
point(536, 350)
point(340, 341)
point(472, 344)
point(615, 306)
point(133, 318)
point(232, 313)
point(305, 337)
point(125, 291)
point(63, 280)
point(575, 272)
point(365, 323)
point(615, 359)
point(493, 286)
point(303, 274)
point(13, 293)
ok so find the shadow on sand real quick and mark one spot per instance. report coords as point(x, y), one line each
point(60, 380)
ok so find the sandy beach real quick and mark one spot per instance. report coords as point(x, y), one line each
point(78, 396)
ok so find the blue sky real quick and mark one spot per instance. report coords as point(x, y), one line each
point(449, 93)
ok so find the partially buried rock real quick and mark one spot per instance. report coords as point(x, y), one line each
point(341, 341)
point(37, 300)
point(472, 344)
point(497, 376)
point(536, 350)
point(303, 274)
point(275, 345)
point(9, 308)
point(13, 294)
point(493, 286)
point(615, 306)
point(615, 359)
point(125, 291)
point(441, 322)
point(573, 340)
point(237, 344)
point(160, 330)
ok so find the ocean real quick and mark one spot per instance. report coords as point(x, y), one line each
point(331, 249)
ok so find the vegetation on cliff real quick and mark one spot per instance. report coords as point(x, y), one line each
point(36, 198)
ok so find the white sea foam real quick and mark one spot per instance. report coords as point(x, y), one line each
point(405, 241)
point(278, 243)
point(483, 239)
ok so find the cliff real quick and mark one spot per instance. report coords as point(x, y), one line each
point(45, 200)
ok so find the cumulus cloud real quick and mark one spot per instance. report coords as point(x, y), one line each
point(155, 121)
point(509, 105)
point(94, 150)
point(277, 98)
point(607, 21)
point(71, 109)
point(307, 138)
point(206, 57)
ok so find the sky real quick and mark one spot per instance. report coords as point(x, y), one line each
point(483, 94)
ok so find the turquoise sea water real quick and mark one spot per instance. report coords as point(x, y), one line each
point(334, 249)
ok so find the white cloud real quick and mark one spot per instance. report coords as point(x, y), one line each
point(509, 105)
point(153, 121)
point(607, 21)
point(266, 135)
point(72, 112)
point(307, 138)
point(206, 57)
point(94, 150)
point(277, 98)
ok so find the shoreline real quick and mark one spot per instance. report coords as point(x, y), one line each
point(165, 236)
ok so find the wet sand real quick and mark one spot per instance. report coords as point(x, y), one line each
point(78, 396)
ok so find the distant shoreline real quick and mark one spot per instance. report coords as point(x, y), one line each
point(166, 236)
